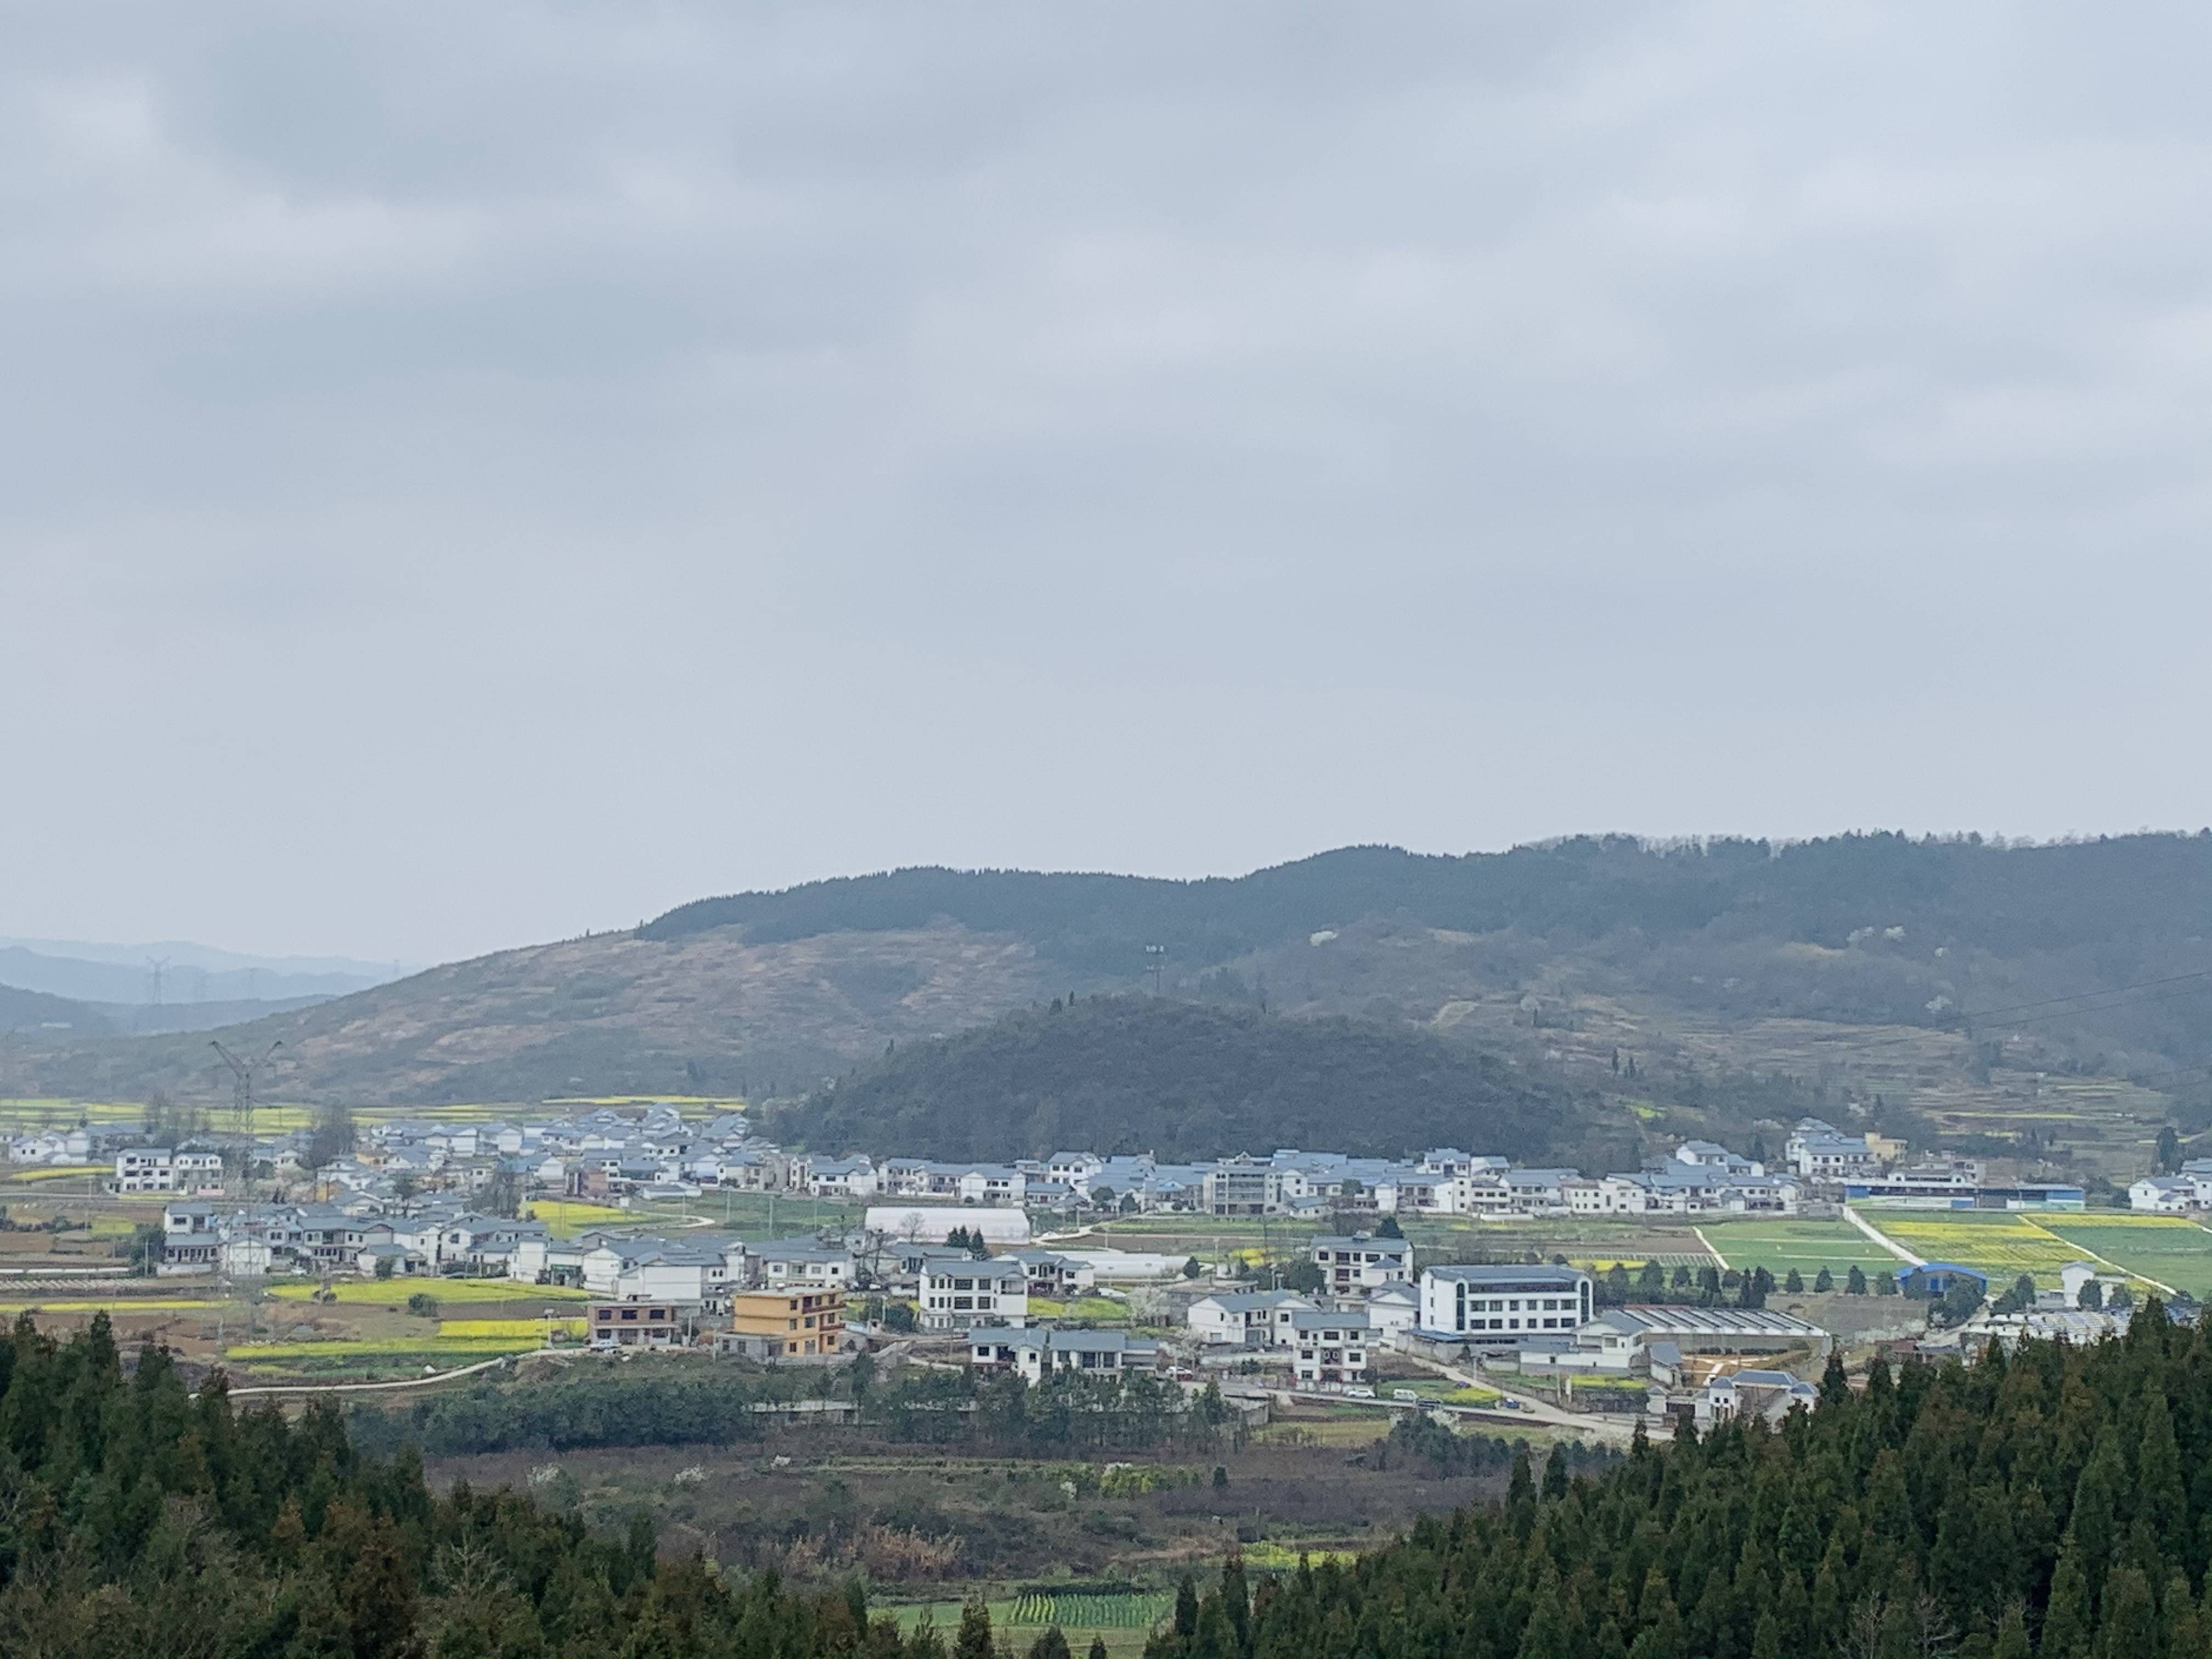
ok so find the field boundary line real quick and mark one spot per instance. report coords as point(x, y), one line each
point(1883, 1239)
point(2093, 1256)
point(1709, 1245)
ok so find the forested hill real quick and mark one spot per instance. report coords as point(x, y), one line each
point(1138, 1073)
point(2055, 1503)
point(136, 1520)
point(1700, 962)
point(1963, 891)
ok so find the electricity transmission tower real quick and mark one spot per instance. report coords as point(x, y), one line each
point(1155, 959)
point(155, 968)
point(241, 1101)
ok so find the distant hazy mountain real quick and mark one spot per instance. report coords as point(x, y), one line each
point(189, 973)
point(49, 1016)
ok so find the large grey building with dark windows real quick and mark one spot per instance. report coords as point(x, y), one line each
point(1502, 1305)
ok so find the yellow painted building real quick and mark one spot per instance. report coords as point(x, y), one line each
point(794, 1323)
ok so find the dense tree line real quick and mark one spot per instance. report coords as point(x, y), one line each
point(698, 1401)
point(2056, 1501)
point(1069, 1414)
point(136, 1518)
point(1133, 1074)
point(1430, 1450)
point(669, 1403)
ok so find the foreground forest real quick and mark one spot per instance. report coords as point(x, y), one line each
point(2054, 1501)
point(137, 1519)
point(2058, 1502)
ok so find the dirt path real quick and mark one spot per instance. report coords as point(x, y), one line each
point(1886, 1243)
point(403, 1382)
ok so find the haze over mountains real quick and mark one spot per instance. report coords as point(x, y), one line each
point(93, 989)
point(1703, 959)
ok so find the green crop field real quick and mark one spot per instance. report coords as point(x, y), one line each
point(2166, 1250)
point(1122, 1622)
point(395, 1291)
point(1127, 1612)
point(2002, 1244)
point(1780, 1242)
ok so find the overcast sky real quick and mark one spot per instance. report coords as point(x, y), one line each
point(474, 473)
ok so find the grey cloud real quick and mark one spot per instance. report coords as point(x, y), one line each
point(473, 473)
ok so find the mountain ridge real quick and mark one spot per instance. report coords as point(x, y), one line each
point(1699, 958)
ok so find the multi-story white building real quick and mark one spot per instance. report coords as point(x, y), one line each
point(159, 1170)
point(1819, 1151)
point(1244, 1187)
point(1329, 1348)
point(957, 1291)
point(1501, 1305)
point(1356, 1264)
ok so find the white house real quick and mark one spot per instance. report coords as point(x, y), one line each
point(1329, 1348)
point(994, 1184)
point(1819, 1151)
point(159, 1170)
point(1393, 1309)
point(844, 1177)
point(2165, 1194)
point(793, 1261)
point(1762, 1393)
point(1085, 1354)
point(1357, 1264)
point(1250, 1319)
point(682, 1273)
point(1538, 1192)
point(959, 1291)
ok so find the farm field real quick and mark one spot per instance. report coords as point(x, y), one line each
point(2167, 1250)
point(1089, 1612)
point(533, 1331)
point(565, 1219)
point(1086, 1310)
point(383, 1292)
point(1779, 1243)
point(1125, 1638)
point(2002, 1244)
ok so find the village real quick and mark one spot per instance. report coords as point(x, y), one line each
point(1376, 1283)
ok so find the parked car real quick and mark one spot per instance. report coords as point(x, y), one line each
point(1406, 1394)
point(1358, 1391)
point(1507, 1402)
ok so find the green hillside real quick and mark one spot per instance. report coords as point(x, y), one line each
point(1136, 1073)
